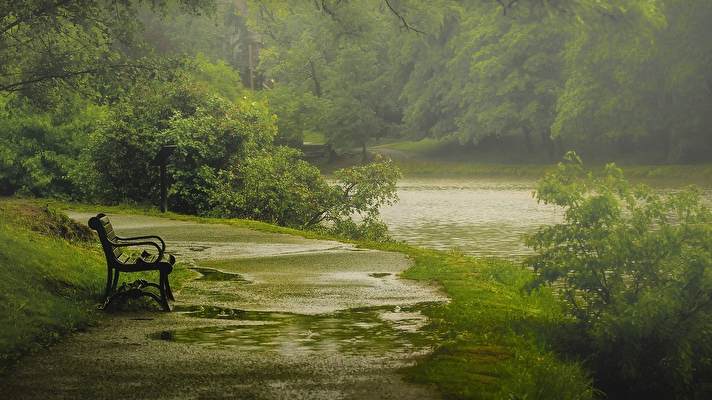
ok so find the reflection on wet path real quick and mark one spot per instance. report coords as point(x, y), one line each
point(381, 331)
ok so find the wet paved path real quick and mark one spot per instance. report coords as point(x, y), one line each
point(268, 316)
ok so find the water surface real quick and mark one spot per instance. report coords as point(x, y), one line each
point(476, 216)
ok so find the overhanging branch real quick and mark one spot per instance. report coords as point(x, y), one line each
point(405, 23)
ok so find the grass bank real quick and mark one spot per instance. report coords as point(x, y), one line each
point(498, 335)
point(52, 276)
point(430, 158)
point(50, 280)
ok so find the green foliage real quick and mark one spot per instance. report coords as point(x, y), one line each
point(612, 79)
point(210, 133)
point(85, 45)
point(277, 187)
point(226, 164)
point(642, 83)
point(496, 336)
point(635, 268)
point(38, 149)
point(329, 68)
point(496, 76)
point(219, 77)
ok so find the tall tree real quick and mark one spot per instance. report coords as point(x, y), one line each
point(45, 42)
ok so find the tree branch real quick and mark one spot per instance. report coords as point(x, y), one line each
point(63, 75)
point(405, 23)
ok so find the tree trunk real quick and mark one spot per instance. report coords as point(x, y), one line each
point(549, 145)
point(528, 140)
point(317, 85)
point(364, 153)
point(559, 147)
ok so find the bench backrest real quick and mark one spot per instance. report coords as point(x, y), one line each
point(102, 225)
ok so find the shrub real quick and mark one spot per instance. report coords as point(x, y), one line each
point(211, 134)
point(635, 269)
point(227, 165)
point(38, 147)
point(277, 187)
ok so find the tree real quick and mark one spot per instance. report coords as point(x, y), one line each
point(496, 77)
point(331, 56)
point(641, 81)
point(635, 269)
point(45, 42)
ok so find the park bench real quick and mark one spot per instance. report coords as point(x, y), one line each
point(128, 254)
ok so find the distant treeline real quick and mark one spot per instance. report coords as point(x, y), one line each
point(611, 79)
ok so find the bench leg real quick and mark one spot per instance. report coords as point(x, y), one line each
point(169, 292)
point(164, 299)
point(116, 280)
point(109, 284)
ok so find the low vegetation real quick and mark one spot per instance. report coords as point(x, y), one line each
point(50, 278)
point(634, 269)
point(498, 337)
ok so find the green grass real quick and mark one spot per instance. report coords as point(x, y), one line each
point(498, 335)
point(49, 285)
point(414, 147)
point(431, 158)
point(416, 168)
point(314, 137)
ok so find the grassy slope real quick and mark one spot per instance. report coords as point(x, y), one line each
point(433, 158)
point(49, 286)
point(498, 334)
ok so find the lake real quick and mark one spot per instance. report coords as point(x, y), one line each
point(476, 216)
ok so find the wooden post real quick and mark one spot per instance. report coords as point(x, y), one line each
point(164, 187)
point(161, 160)
point(251, 61)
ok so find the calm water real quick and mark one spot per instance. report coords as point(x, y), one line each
point(480, 217)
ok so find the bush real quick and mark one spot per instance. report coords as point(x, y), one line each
point(211, 133)
point(278, 187)
point(227, 165)
point(635, 269)
point(38, 148)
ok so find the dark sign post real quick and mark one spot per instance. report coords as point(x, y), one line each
point(162, 160)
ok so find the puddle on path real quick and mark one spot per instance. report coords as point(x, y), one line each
point(380, 331)
point(210, 274)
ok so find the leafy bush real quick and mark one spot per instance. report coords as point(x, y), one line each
point(38, 148)
point(210, 132)
point(277, 187)
point(226, 164)
point(635, 269)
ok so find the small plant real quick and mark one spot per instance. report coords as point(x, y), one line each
point(635, 269)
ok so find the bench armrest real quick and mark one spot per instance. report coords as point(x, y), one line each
point(154, 244)
point(127, 239)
